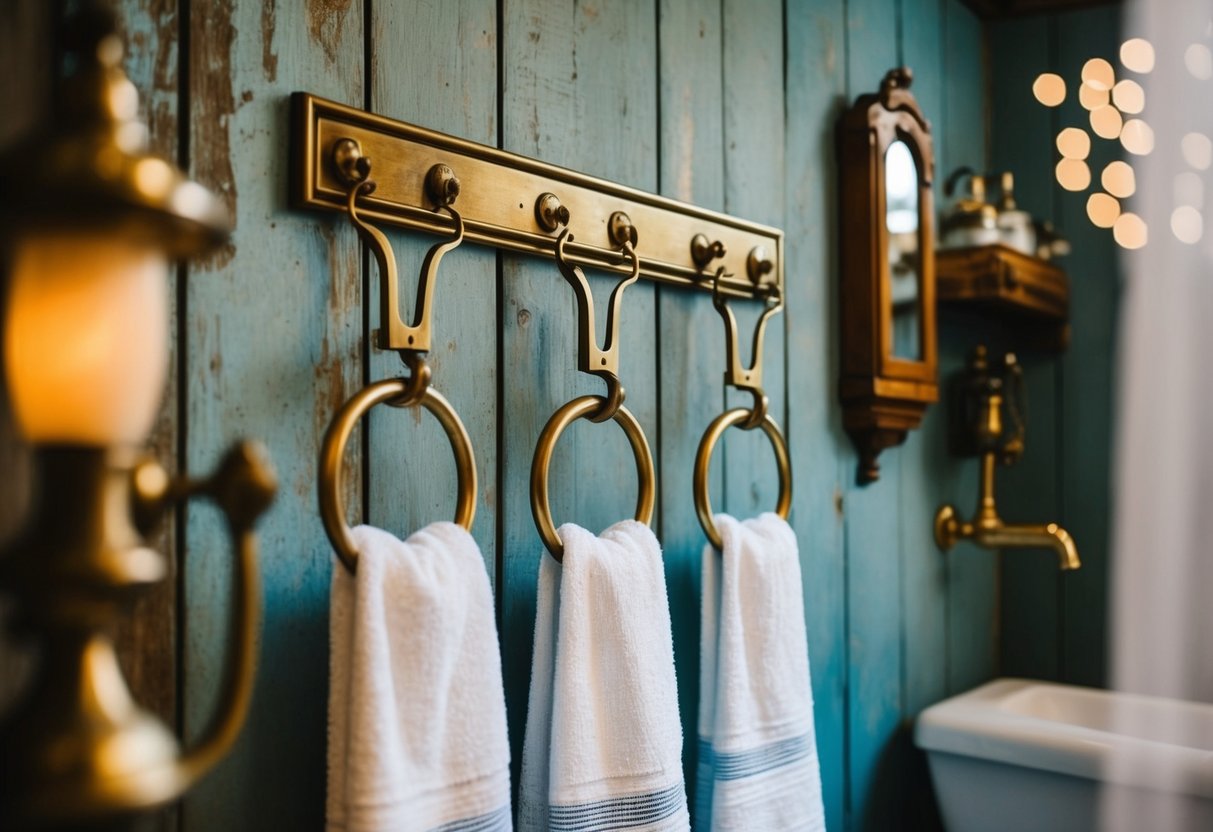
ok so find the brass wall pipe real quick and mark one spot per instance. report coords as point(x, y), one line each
point(987, 528)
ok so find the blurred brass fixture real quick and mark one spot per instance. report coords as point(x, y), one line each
point(987, 389)
point(91, 221)
point(749, 380)
point(604, 363)
point(973, 221)
point(411, 342)
point(515, 203)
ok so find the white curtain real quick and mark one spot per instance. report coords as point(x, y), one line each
point(1162, 595)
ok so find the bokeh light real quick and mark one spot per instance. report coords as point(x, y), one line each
point(1137, 54)
point(1049, 89)
point(1098, 73)
point(1129, 97)
point(1187, 224)
point(1197, 150)
point(1199, 61)
point(1118, 180)
point(1130, 231)
point(1103, 210)
point(1073, 174)
point(1091, 98)
point(1106, 122)
point(1137, 137)
point(1074, 143)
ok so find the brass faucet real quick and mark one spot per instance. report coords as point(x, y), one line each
point(988, 389)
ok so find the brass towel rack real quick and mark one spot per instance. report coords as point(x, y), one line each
point(749, 380)
point(511, 202)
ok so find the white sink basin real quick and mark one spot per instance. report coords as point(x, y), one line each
point(1017, 755)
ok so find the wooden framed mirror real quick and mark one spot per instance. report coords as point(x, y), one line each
point(889, 368)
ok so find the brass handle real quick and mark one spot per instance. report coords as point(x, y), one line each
point(391, 391)
point(243, 487)
point(561, 419)
point(703, 458)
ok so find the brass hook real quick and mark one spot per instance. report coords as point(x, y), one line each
point(602, 362)
point(748, 379)
point(395, 334)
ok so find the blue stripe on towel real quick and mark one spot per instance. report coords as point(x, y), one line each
point(498, 821)
point(617, 812)
point(738, 764)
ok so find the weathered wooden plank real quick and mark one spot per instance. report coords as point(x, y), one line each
point(972, 573)
point(1086, 372)
point(872, 529)
point(754, 188)
point(579, 91)
point(924, 579)
point(273, 335)
point(453, 46)
point(1023, 142)
point(925, 467)
point(690, 334)
point(816, 79)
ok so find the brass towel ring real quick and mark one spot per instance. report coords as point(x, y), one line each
point(576, 409)
point(396, 392)
point(703, 458)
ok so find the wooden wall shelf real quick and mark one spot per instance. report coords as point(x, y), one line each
point(1023, 291)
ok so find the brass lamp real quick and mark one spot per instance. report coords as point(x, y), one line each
point(91, 222)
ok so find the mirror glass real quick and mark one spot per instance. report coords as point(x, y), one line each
point(901, 220)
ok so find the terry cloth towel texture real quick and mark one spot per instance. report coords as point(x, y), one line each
point(758, 764)
point(417, 732)
point(603, 742)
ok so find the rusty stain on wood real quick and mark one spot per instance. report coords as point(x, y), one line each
point(214, 33)
point(269, 58)
point(325, 19)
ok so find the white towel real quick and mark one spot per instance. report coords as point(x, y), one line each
point(603, 741)
point(417, 732)
point(757, 746)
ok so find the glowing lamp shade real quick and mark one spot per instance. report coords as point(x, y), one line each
point(86, 338)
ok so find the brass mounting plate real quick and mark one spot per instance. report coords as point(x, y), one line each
point(497, 199)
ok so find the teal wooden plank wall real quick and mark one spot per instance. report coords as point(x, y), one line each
point(727, 103)
point(1054, 625)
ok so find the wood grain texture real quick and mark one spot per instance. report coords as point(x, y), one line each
point(926, 468)
point(816, 78)
point(273, 330)
point(690, 333)
point(754, 163)
point(872, 529)
point(579, 91)
point(412, 472)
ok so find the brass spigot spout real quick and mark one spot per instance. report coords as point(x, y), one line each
point(989, 531)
